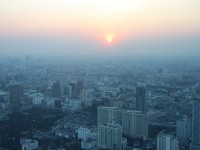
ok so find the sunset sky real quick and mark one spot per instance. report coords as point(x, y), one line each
point(95, 27)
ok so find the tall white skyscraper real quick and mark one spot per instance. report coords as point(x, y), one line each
point(135, 124)
point(195, 144)
point(110, 136)
point(167, 142)
point(141, 97)
point(108, 114)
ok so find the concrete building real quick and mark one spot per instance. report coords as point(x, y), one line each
point(183, 129)
point(88, 144)
point(167, 142)
point(56, 90)
point(79, 86)
point(83, 96)
point(75, 104)
point(110, 136)
point(108, 114)
point(83, 133)
point(73, 88)
point(15, 96)
point(124, 143)
point(135, 124)
point(37, 100)
point(58, 103)
point(28, 144)
point(141, 98)
point(69, 91)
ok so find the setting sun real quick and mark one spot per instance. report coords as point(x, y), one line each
point(109, 37)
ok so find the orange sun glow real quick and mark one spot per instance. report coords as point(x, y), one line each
point(109, 37)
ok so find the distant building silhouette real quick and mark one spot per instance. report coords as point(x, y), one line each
point(58, 103)
point(15, 95)
point(79, 86)
point(73, 88)
point(83, 96)
point(141, 98)
point(56, 90)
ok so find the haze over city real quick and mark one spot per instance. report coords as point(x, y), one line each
point(87, 27)
point(99, 74)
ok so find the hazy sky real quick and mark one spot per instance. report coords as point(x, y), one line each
point(77, 27)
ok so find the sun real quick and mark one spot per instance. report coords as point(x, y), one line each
point(109, 37)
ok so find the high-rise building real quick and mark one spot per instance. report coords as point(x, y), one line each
point(141, 98)
point(58, 103)
point(110, 136)
point(117, 103)
point(135, 124)
point(167, 142)
point(83, 96)
point(83, 133)
point(69, 91)
point(15, 95)
point(183, 128)
point(107, 115)
point(73, 88)
point(27, 63)
point(195, 144)
point(79, 86)
point(56, 90)
point(62, 89)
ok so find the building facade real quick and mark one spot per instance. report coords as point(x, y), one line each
point(167, 142)
point(15, 95)
point(135, 124)
point(141, 98)
point(107, 115)
point(195, 144)
point(110, 136)
point(183, 129)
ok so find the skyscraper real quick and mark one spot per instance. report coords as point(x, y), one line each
point(79, 86)
point(73, 88)
point(15, 95)
point(141, 98)
point(110, 136)
point(56, 90)
point(167, 142)
point(108, 114)
point(195, 144)
point(83, 96)
point(58, 103)
point(183, 129)
point(135, 124)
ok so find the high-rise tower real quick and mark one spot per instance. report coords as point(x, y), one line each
point(108, 114)
point(167, 142)
point(56, 90)
point(141, 98)
point(15, 95)
point(110, 136)
point(195, 144)
point(135, 124)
